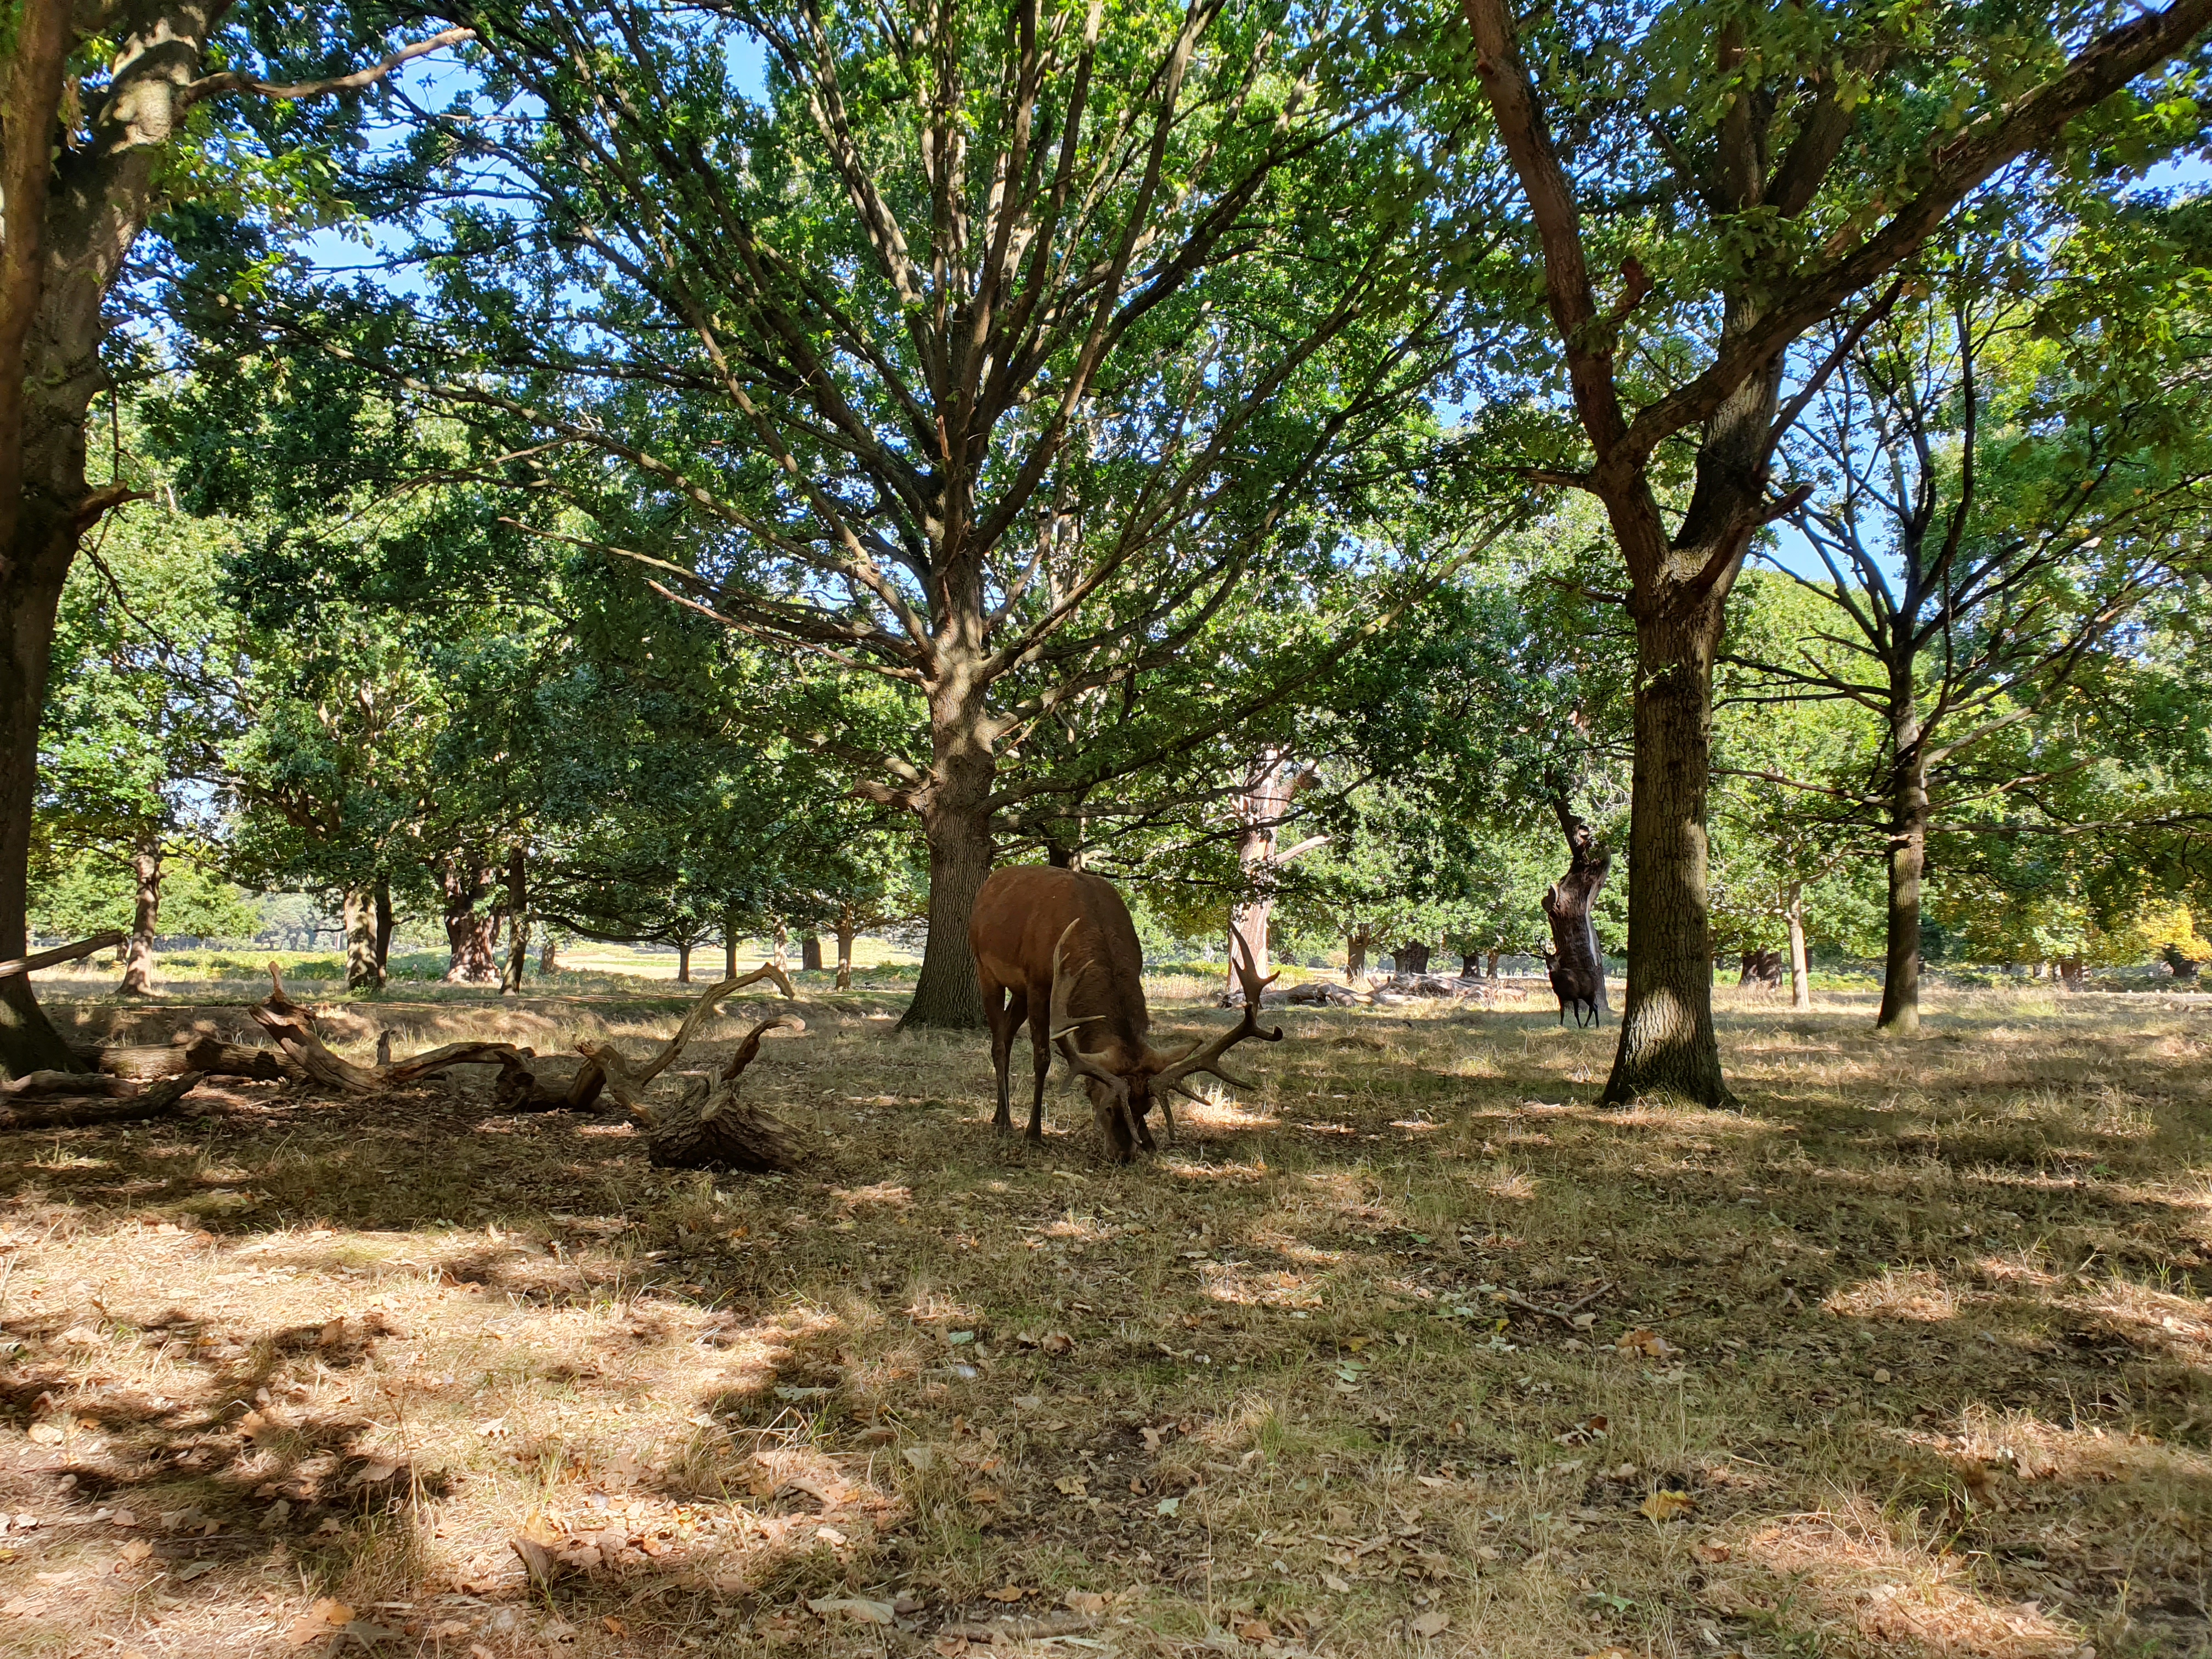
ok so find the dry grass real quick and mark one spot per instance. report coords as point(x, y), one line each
point(1918, 1336)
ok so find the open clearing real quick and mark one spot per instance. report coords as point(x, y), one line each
point(1400, 1355)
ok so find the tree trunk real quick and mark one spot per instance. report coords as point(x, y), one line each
point(684, 962)
point(549, 955)
point(1413, 958)
point(1470, 965)
point(1490, 966)
point(145, 918)
point(845, 953)
point(357, 909)
point(1801, 984)
point(730, 949)
point(385, 921)
point(810, 953)
point(2070, 975)
point(31, 576)
point(1355, 955)
point(957, 820)
point(470, 937)
point(1668, 1044)
point(518, 923)
point(1567, 902)
point(1908, 854)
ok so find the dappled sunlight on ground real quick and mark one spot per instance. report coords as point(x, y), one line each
point(1410, 1350)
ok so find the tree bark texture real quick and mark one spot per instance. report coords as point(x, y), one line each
point(810, 953)
point(845, 953)
point(357, 911)
point(1355, 955)
point(1801, 983)
point(1908, 854)
point(145, 918)
point(730, 950)
point(471, 937)
point(1568, 903)
point(1413, 958)
point(684, 962)
point(1667, 1043)
point(30, 591)
point(518, 914)
point(384, 923)
point(955, 817)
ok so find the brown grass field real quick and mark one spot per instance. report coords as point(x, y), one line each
point(1410, 1353)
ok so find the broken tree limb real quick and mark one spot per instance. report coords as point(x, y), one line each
point(187, 1052)
point(555, 1083)
point(85, 1084)
point(293, 1026)
point(709, 1127)
point(83, 947)
point(156, 1100)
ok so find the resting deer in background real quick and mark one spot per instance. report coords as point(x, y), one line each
point(1573, 987)
point(1056, 948)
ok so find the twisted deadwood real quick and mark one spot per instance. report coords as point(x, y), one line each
point(294, 1028)
point(707, 1126)
point(555, 1083)
point(75, 1110)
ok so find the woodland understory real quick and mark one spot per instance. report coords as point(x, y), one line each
point(1412, 1349)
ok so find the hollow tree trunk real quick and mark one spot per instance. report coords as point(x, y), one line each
point(1667, 1043)
point(1568, 901)
point(810, 953)
point(357, 910)
point(684, 962)
point(1908, 854)
point(518, 924)
point(1793, 912)
point(145, 918)
point(845, 953)
point(385, 922)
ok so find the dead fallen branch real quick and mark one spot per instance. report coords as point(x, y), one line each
point(186, 1051)
point(556, 1083)
point(1565, 1315)
point(83, 947)
point(1025, 1630)
point(77, 1111)
point(707, 1126)
point(294, 1028)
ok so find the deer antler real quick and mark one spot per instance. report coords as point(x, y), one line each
point(1207, 1057)
point(1064, 1025)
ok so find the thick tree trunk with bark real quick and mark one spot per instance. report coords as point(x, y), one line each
point(1800, 983)
point(384, 923)
point(1908, 853)
point(1568, 903)
point(145, 918)
point(1470, 965)
point(955, 817)
point(1355, 955)
point(1490, 964)
point(31, 576)
point(357, 911)
point(1668, 1044)
point(730, 948)
point(845, 931)
point(684, 962)
point(518, 923)
point(1411, 958)
point(549, 955)
point(809, 952)
point(470, 938)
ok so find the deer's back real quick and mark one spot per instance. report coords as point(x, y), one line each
point(1020, 917)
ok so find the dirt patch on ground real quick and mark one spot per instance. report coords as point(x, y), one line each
point(1408, 1350)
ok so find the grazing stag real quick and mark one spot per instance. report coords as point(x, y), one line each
point(1572, 984)
point(1056, 948)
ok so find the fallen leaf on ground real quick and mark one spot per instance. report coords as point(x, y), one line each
point(193, 1569)
point(986, 1495)
point(137, 1551)
point(1074, 1485)
point(1057, 1342)
point(1330, 1581)
point(855, 1607)
point(45, 1434)
point(1434, 1622)
point(1005, 1593)
point(1085, 1601)
point(1645, 1341)
point(1664, 1505)
point(535, 1560)
point(949, 1646)
point(1257, 1629)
